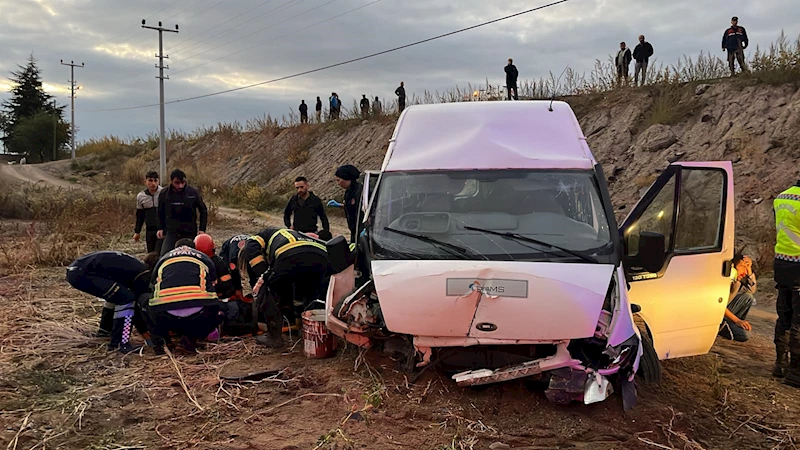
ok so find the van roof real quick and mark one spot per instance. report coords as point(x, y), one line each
point(488, 135)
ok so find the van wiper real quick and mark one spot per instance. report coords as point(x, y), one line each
point(520, 237)
point(452, 247)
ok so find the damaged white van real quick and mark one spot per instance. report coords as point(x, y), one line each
point(489, 249)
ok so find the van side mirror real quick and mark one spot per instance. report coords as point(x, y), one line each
point(652, 254)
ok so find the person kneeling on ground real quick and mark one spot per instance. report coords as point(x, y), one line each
point(291, 266)
point(119, 279)
point(184, 298)
point(734, 326)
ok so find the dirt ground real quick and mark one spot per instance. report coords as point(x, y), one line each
point(59, 388)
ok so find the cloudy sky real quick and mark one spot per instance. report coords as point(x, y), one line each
point(224, 44)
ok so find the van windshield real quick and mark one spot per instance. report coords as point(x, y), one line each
point(490, 214)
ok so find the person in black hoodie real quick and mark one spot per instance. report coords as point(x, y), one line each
point(177, 212)
point(641, 54)
point(307, 209)
point(347, 178)
point(511, 78)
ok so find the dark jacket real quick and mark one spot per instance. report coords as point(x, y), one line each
point(511, 75)
point(319, 105)
point(735, 38)
point(147, 210)
point(303, 109)
point(306, 212)
point(364, 103)
point(225, 285)
point(108, 269)
point(229, 251)
point(263, 249)
point(177, 211)
point(400, 92)
point(643, 52)
point(183, 278)
point(352, 207)
point(627, 58)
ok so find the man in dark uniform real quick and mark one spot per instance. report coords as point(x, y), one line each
point(734, 41)
point(230, 255)
point(291, 266)
point(147, 213)
point(347, 178)
point(787, 277)
point(184, 298)
point(178, 206)
point(119, 279)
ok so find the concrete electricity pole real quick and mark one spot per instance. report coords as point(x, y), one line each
point(162, 145)
point(72, 87)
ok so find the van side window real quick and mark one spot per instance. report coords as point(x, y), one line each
point(701, 210)
point(656, 218)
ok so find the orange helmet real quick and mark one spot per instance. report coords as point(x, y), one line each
point(205, 244)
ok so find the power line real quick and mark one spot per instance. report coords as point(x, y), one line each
point(180, 46)
point(350, 61)
point(278, 37)
point(258, 31)
point(290, 3)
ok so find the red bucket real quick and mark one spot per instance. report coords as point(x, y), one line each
point(317, 341)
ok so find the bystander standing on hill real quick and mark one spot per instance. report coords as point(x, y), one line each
point(377, 108)
point(734, 41)
point(641, 54)
point(400, 92)
point(623, 62)
point(364, 107)
point(511, 78)
point(303, 112)
point(319, 110)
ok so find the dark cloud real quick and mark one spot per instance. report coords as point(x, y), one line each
point(106, 35)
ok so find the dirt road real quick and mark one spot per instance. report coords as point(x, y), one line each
point(32, 173)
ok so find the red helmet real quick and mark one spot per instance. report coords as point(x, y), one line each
point(205, 244)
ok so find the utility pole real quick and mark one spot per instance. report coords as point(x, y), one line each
point(55, 129)
point(162, 144)
point(72, 87)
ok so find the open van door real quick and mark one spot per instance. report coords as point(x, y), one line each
point(678, 246)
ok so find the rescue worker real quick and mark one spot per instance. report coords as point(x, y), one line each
point(230, 255)
point(291, 266)
point(119, 279)
point(787, 277)
point(147, 213)
point(178, 206)
point(183, 299)
point(225, 290)
point(347, 178)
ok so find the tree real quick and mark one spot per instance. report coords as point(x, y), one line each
point(35, 134)
point(30, 111)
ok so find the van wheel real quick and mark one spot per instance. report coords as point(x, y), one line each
point(649, 365)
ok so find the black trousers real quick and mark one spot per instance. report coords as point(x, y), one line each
point(153, 242)
point(509, 89)
point(787, 327)
point(297, 280)
point(401, 103)
point(171, 237)
point(196, 326)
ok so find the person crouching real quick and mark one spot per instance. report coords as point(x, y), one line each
point(183, 299)
point(119, 279)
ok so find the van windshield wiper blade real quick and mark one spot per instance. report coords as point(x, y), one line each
point(452, 247)
point(520, 237)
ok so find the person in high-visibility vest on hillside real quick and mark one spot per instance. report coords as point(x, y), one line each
point(787, 278)
point(292, 266)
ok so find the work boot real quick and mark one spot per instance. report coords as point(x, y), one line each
point(188, 344)
point(121, 334)
point(273, 338)
point(793, 375)
point(106, 322)
point(781, 365)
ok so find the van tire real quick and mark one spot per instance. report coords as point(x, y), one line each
point(649, 364)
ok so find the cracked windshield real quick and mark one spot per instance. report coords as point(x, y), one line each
point(560, 209)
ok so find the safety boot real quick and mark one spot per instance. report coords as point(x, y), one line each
point(121, 335)
point(793, 375)
point(106, 322)
point(273, 338)
point(781, 364)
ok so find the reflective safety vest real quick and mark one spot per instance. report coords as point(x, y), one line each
point(787, 225)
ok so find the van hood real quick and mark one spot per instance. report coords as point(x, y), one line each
point(526, 301)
